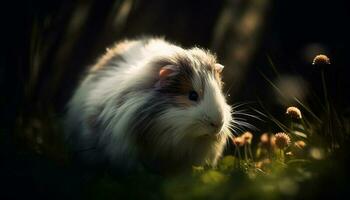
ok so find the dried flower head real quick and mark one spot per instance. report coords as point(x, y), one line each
point(263, 163)
point(294, 112)
point(273, 141)
point(321, 60)
point(317, 153)
point(264, 138)
point(289, 153)
point(300, 144)
point(282, 140)
point(238, 141)
point(247, 137)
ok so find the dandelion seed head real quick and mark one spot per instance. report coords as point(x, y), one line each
point(294, 112)
point(321, 59)
point(247, 137)
point(300, 144)
point(264, 138)
point(238, 141)
point(282, 140)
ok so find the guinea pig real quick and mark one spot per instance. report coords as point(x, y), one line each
point(151, 104)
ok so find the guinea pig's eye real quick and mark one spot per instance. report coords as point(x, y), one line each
point(193, 96)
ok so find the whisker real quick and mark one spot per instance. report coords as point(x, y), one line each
point(249, 115)
point(240, 111)
point(237, 105)
point(236, 129)
point(246, 125)
point(239, 118)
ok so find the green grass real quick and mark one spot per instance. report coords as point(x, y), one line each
point(255, 171)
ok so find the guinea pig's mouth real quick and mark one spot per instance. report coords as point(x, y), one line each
point(213, 133)
point(211, 136)
point(210, 128)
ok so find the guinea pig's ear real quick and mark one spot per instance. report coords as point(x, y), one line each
point(218, 67)
point(166, 72)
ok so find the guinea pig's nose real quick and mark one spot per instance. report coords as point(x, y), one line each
point(216, 124)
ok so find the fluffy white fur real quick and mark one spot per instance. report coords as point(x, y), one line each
point(178, 134)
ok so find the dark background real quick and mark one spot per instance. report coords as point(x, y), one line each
point(46, 45)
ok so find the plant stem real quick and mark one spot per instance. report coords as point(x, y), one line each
point(246, 152)
point(250, 152)
point(325, 91)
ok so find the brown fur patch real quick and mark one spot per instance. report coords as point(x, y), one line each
point(180, 83)
point(208, 61)
point(112, 53)
point(183, 101)
point(218, 78)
